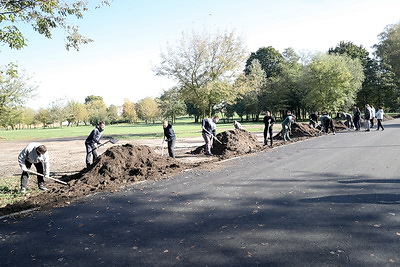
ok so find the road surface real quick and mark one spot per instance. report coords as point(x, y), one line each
point(327, 201)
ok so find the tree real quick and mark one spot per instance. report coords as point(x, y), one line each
point(96, 109)
point(333, 82)
point(112, 114)
point(171, 104)
point(44, 16)
point(57, 111)
point(269, 58)
point(147, 109)
point(76, 112)
point(15, 89)
point(43, 116)
point(204, 67)
point(388, 49)
point(128, 111)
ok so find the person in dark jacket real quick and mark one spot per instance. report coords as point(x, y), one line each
point(269, 121)
point(313, 120)
point(170, 137)
point(357, 118)
point(91, 141)
point(327, 122)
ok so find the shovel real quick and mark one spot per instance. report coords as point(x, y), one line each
point(55, 179)
point(215, 138)
point(162, 149)
point(112, 141)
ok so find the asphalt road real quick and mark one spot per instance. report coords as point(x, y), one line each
point(328, 201)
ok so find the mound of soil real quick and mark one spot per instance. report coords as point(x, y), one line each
point(233, 143)
point(117, 167)
point(299, 130)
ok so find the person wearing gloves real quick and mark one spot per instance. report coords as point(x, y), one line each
point(36, 154)
point(209, 132)
point(170, 137)
point(91, 141)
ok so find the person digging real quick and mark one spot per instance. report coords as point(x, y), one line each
point(36, 154)
point(209, 131)
point(170, 137)
point(286, 126)
point(91, 141)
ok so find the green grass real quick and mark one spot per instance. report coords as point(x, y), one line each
point(184, 127)
point(9, 191)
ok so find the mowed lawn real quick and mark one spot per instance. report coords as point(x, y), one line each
point(184, 127)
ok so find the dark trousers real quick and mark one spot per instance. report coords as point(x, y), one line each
point(329, 124)
point(357, 124)
point(380, 124)
point(90, 150)
point(25, 175)
point(267, 130)
point(372, 122)
point(171, 146)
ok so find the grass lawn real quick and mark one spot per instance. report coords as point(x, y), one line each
point(9, 191)
point(184, 127)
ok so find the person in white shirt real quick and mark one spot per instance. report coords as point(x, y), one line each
point(379, 117)
point(36, 154)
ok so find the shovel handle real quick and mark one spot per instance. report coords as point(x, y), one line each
point(215, 138)
point(55, 179)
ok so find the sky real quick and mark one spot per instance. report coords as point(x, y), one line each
point(129, 36)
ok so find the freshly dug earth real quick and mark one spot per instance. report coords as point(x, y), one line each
point(119, 166)
point(233, 143)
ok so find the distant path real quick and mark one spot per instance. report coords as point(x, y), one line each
point(327, 201)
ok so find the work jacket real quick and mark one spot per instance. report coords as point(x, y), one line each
point(30, 154)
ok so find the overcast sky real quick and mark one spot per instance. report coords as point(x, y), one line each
point(130, 34)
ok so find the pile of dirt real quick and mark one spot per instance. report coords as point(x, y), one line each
point(299, 130)
point(233, 143)
point(117, 167)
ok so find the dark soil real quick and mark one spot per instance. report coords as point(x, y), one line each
point(232, 143)
point(119, 166)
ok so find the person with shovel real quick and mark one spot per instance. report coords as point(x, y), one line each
point(209, 132)
point(36, 154)
point(269, 121)
point(170, 137)
point(287, 125)
point(91, 141)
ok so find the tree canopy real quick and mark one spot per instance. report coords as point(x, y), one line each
point(44, 16)
point(204, 66)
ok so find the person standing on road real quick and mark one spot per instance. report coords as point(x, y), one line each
point(269, 122)
point(287, 125)
point(379, 117)
point(91, 141)
point(357, 118)
point(36, 154)
point(209, 131)
point(170, 137)
point(372, 117)
point(367, 117)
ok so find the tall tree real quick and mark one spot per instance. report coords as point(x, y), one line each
point(204, 66)
point(269, 58)
point(43, 16)
point(147, 109)
point(96, 108)
point(333, 82)
point(128, 111)
point(171, 104)
point(388, 49)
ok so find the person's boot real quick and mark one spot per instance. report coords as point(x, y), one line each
point(42, 187)
point(23, 190)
